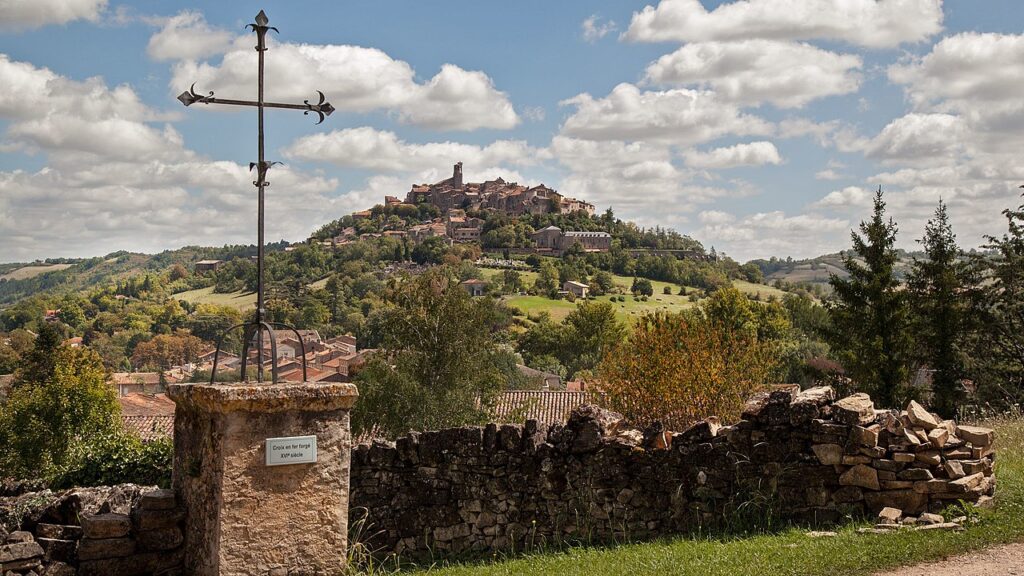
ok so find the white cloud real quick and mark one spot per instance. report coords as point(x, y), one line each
point(787, 74)
point(828, 174)
point(924, 138)
point(766, 234)
point(678, 116)
point(750, 154)
point(113, 180)
point(715, 217)
point(28, 14)
point(969, 67)
point(851, 196)
point(355, 79)
point(187, 36)
point(593, 30)
point(870, 23)
point(372, 149)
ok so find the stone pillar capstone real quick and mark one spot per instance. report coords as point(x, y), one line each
point(252, 513)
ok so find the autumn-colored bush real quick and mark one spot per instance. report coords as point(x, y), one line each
point(681, 368)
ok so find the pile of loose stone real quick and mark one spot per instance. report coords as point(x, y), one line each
point(911, 463)
point(123, 530)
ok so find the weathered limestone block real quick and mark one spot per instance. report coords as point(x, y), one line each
point(96, 549)
point(862, 476)
point(938, 437)
point(62, 550)
point(890, 515)
point(144, 520)
point(909, 501)
point(865, 436)
point(247, 518)
point(828, 454)
point(857, 409)
point(141, 564)
point(160, 539)
point(920, 417)
point(58, 531)
point(20, 555)
point(106, 526)
point(976, 435)
point(162, 499)
point(966, 483)
point(954, 469)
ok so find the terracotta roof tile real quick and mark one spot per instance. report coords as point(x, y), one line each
point(150, 428)
point(545, 406)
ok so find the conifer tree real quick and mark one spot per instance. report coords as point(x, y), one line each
point(869, 332)
point(998, 355)
point(940, 311)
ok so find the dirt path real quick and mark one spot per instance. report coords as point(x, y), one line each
point(1001, 561)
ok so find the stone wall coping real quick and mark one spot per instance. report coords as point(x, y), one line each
point(251, 397)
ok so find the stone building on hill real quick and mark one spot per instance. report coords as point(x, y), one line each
point(553, 239)
point(507, 197)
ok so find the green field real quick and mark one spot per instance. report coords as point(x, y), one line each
point(789, 552)
point(26, 272)
point(630, 310)
point(240, 300)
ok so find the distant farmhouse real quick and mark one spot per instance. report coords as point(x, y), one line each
point(508, 197)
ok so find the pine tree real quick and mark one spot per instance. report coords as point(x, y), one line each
point(998, 355)
point(941, 311)
point(870, 318)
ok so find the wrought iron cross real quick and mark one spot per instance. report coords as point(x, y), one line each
point(259, 322)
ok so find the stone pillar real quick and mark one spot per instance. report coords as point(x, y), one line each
point(245, 517)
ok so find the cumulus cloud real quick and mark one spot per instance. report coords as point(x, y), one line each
point(751, 154)
point(786, 74)
point(919, 138)
point(594, 30)
point(115, 178)
point(187, 36)
point(870, 23)
point(851, 196)
point(372, 149)
point(678, 116)
point(356, 79)
point(766, 234)
point(29, 14)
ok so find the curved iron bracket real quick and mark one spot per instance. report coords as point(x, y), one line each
point(255, 329)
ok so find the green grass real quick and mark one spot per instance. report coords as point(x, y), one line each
point(791, 552)
point(629, 311)
point(240, 300)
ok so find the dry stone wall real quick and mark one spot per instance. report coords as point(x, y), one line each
point(122, 530)
point(800, 455)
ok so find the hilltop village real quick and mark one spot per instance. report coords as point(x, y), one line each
point(455, 211)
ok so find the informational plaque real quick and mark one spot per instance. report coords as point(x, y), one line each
point(291, 450)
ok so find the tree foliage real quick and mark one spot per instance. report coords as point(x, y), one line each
point(437, 365)
point(680, 368)
point(870, 317)
point(52, 408)
point(941, 312)
point(998, 349)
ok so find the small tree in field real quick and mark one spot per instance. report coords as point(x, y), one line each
point(681, 368)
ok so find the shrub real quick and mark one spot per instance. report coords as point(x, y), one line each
point(680, 368)
point(667, 290)
point(118, 458)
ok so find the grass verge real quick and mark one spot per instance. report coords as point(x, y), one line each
point(791, 552)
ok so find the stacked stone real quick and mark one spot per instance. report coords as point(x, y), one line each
point(121, 531)
point(814, 459)
point(20, 554)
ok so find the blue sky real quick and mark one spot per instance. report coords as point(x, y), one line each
point(759, 126)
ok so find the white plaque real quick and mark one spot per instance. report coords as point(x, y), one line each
point(291, 450)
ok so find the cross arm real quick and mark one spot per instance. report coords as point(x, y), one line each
point(322, 108)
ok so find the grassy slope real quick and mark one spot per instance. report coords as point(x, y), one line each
point(31, 271)
point(628, 311)
point(791, 552)
point(240, 300)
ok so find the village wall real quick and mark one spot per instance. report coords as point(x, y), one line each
point(800, 456)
